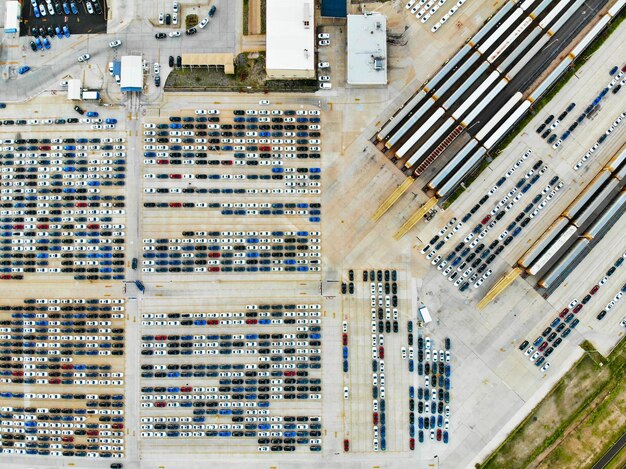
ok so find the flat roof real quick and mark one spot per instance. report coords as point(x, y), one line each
point(367, 49)
point(12, 17)
point(226, 59)
point(290, 43)
point(131, 78)
point(74, 88)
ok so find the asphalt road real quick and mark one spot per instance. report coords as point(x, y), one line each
point(608, 456)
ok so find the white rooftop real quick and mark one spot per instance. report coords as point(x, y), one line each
point(290, 43)
point(73, 88)
point(132, 73)
point(367, 49)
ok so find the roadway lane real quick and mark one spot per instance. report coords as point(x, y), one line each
point(610, 454)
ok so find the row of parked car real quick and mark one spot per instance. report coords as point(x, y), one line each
point(471, 249)
point(36, 423)
point(238, 395)
point(60, 182)
point(561, 326)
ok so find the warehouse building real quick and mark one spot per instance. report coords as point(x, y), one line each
point(367, 50)
point(132, 73)
point(290, 39)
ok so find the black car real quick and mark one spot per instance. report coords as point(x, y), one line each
point(157, 81)
point(541, 128)
point(50, 31)
point(160, 35)
point(171, 61)
point(79, 110)
point(58, 9)
point(179, 61)
point(33, 46)
point(601, 315)
point(546, 133)
point(168, 19)
point(42, 32)
point(523, 345)
point(97, 6)
point(549, 119)
point(191, 31)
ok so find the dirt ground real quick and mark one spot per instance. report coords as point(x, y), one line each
point(254, 17)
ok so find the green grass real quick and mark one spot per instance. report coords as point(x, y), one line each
point(571, 403)
point(539, 105)
point(244, 17)
point(249, 76)
point(263, 7)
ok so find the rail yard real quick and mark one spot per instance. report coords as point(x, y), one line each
point(202, 266)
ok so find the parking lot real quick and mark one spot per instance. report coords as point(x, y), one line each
point(63, 198)
point(253, 176)
point(261, 389)
point(69, 353)
point(73, 14)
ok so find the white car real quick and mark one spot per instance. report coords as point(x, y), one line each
point(325, 86)
point(545, 367)
point(157, 68)
point(175, 6)
point(323, 42)
point(174, 34)
point(84, 58)
point(161, 18)
point(89, 7)
point(115, 44)
point(264, 102)
point(323, 36)
point(346, 392)
point(323, 65)
point(203, 23)
point(324, 78)
point(535, 356)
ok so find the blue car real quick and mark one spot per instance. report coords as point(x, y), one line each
point(39, 43)
point(66, 8)
point(66, 31)
point(110, 121)
point(58, 32)
point(92, 114)
point(46, 43)
point(73, 7)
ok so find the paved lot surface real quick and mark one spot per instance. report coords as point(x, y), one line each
point(493, 384)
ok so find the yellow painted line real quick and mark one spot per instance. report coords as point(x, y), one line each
point(392, 199)
point(417, 216)
point(499, 287)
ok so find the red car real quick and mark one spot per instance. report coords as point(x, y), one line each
point(176, 176)
point(577, 308)
point(118, 426)
point(214, 269)
point(213, 322)
point(226, 162)
point(214, 254)
point(92, 432)
point(346, 445)
point(54, 381)
point(160, 404)
point(264, 148)
point(381, 352)
point(486, 219)
point(345, 339)
point(438, 434)
point(176, 204)
point(67, 367)
point(184, 389)
point(563, 313)
point(163, 162)
point(594, 289)
point(93, 226)
point(67, 439)
point(160, 337)
point(251, 321)
point(412, 443)
point(81, 204)
point(543, 346)
point(290, 373)
point(42, 227)
point(375, 416)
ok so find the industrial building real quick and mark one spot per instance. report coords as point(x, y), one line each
point(290, 39)
point(74, 89)
point(367, 50)
point(132, 73)
point(12, 17)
